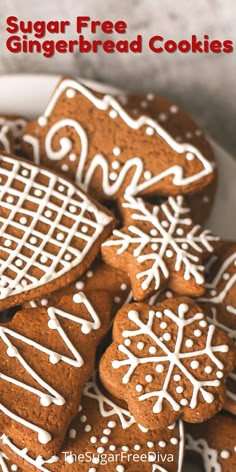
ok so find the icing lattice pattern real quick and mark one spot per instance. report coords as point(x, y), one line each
point(47, 226)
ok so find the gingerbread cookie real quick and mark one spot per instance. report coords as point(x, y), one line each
point(109, 152)
point(11, 131)
point(106, 435)
point(98, 276)
point(167, 362)
point(213, 444)
point(183, 129)
point(219, 304)
point(44, 363)
point(160, 246)
point(50, 231)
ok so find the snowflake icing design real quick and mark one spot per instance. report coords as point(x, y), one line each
point(173, 362)
point(161, 233)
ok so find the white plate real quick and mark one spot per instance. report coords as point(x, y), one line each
point(28, 95)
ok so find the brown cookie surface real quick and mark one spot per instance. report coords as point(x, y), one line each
point(50, 231)
point(107, 432)
point(108, 151)
point(160, 245)
point(167, 362)
point(45, 361)
point(10, 140)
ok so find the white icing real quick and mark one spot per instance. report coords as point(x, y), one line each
point(171, 360)
point(114, 108)
point(208, 455)
point(4, 140)
point(140, 240)
point(50, 265)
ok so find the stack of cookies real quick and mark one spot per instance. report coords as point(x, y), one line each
point(117, 324)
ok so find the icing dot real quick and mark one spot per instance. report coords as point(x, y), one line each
point(185, 246)
point(116, 151)
point(42, 121)
point(43, 259)
point(14, 467)
point(162, 117)
point(169, 294)
point(115, 364)
point(139, 388)
point(224, 454)
point(44, 302)
point(92, 469)
point(23, 220)
point(203, 323)
point(120, 468)
point(48, 213)
point(18, 263)
point(180, 231)
point(213, 292)
point(219, 374)
point(45, 400)
point(7, 243)
point(162, 443)
point(38, 192)
point(149, 378)
point(72, 433)
point(104, 440)
point(174, 441)
point(83, 418)
point(137, 447)
point(190, 156)
point(208, 369)
point(150, 444)
point(112, 424)
point(87, 428)
point(163, 325)
point(127, 342)
point(173, 109)
point(189, 135)
point(117, 299)
point(194, 364)
point(84, 229)
point(154, 246)
point(149, 131)
point(153, 232)
point(113, 176)
point(33, 240)
point(167, 336)
point(152, 350)
point(9, 199)
point(93, 439)
point(226, 276)
point(54, 358)
point(72, 209)
point(169, 253)
point(12, 351)
point(140, 346)
point(61, 188)
point(67, 257)
point(183, 401)
point(177, 377)
point(100, 450)
point(60, 237)
point(89, 274)
point(159, 368)
point(113, 114)
point(189, 343)
point(198, 132)
point(197, 333)
point(79, 285)
point(112, 447)
point(143, 104)
point(158, 314)
point(165, 224)
point(72, 157)
point(147, 175)
point(150, 96)
point(70, 459)
point(123, 287)
point(115, 165)
point(179, 389)
point(125, 448)
point(107, 431)
point(44, 437)
point(70, 93)
point(171, 426)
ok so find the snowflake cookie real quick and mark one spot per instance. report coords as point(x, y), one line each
point(44, 364)
point(106, 431)
point(93, 139)
point(213, 444)
point(50, 231)
point(167, 362)
point(160, 246)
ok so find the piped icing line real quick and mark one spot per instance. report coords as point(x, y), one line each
point(4, 139)
point(99, 161)
point(52, 396)
point(166, 239)
point(16, 125)
point(38, 463)
point(209, 455)
point(96, 223)
point(34, 142)
point(174, 358)
point(3, 465)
